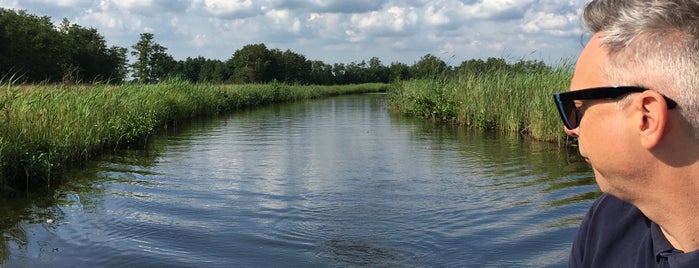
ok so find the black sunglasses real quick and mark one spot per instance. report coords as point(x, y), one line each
point(570, 114)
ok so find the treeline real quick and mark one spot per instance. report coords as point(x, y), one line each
point(33, 49)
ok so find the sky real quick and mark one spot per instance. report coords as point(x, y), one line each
point(335, 31)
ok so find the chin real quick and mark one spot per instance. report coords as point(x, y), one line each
point(584, 156)
point(601, 182)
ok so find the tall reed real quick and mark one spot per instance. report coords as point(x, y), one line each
point(43, 128)
point(500, 100)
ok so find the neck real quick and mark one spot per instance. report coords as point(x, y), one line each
point(671, 197)
point(675, 208)
point(686, 245)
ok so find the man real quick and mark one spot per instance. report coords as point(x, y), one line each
point(634, 107)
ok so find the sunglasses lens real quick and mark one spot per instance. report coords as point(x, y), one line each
point(568, 112)
point(571, 114)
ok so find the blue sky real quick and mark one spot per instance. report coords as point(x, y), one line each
point(335, 31)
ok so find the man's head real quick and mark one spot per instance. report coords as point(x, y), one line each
point(654, 44)
point(652, 49)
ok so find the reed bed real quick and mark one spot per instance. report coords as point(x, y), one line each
point(501, 101)
point(44, 128)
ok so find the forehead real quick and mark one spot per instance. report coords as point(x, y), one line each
point(589, 69)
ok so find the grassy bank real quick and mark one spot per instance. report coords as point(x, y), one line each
point(45, 128)
point(502, 101)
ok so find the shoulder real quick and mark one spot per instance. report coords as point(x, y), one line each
point(612, 234)
point(610, 218)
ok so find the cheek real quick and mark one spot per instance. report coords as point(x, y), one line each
point(611, 150)
point(601, 138)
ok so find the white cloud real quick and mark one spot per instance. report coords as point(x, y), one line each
point(110, 21)
point(394, 20)
point(550, 23)
point(284, 20)
point(132, 4)
point(200, 40)
point(329, 6)
point(544, 21)
point(229, 8)
point(495, 9)
point(12, 4)
point(66, 3)
point(435, 15)
point(329, 27)
point(334, 31)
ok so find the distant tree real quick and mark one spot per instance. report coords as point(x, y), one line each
point(88, 57)
point(377, 72)
point(190, 68)
point(35, 50)
point(206, 72)
point(152, 63)
point(497, 65)
point(214, 71)
point(530, 66)
point(30, 47)
point(492, 65)
point(473, 66)
point(117, 59)
point(399, 71)
point(340, 71)
point(252, 64)
point(321, 73)
point(355, 73)
point(290, 67)
point(429, 66)
point(163, 65)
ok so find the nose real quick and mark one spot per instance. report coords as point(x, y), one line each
point(572, 132)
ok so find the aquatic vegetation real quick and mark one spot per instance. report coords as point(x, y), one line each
point(497, 100)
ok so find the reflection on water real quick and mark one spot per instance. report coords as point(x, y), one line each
point(350, 252)
point(327, 183)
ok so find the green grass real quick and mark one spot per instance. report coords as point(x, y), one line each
point(44, 128)
point(502, 101)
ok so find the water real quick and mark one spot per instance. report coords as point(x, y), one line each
point(327, 183)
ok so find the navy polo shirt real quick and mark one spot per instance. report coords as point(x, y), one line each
point(616, 234)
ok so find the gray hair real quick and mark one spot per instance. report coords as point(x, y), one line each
point(654, 43)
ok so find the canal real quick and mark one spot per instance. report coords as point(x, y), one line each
point(338, 182)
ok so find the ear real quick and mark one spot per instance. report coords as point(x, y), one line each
point(653, 118)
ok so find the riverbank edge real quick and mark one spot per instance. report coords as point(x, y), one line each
point(46, 128)
point(499, 101)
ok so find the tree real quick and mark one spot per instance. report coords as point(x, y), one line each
point(119, 61)
point(30, 47)
point(399, 71)
point(152, 63)
point(378, 72)
point(339, 71)
point(321, 73)
point(252, 64)
point(290, 67)
point(214, 71)
point(429, 66)
point(163, 65)
point(190, 68)
point(34, 50)
point(496, 65)
point(473, 66)
point(89, 58)
point(355, 73)
point(530, 66)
